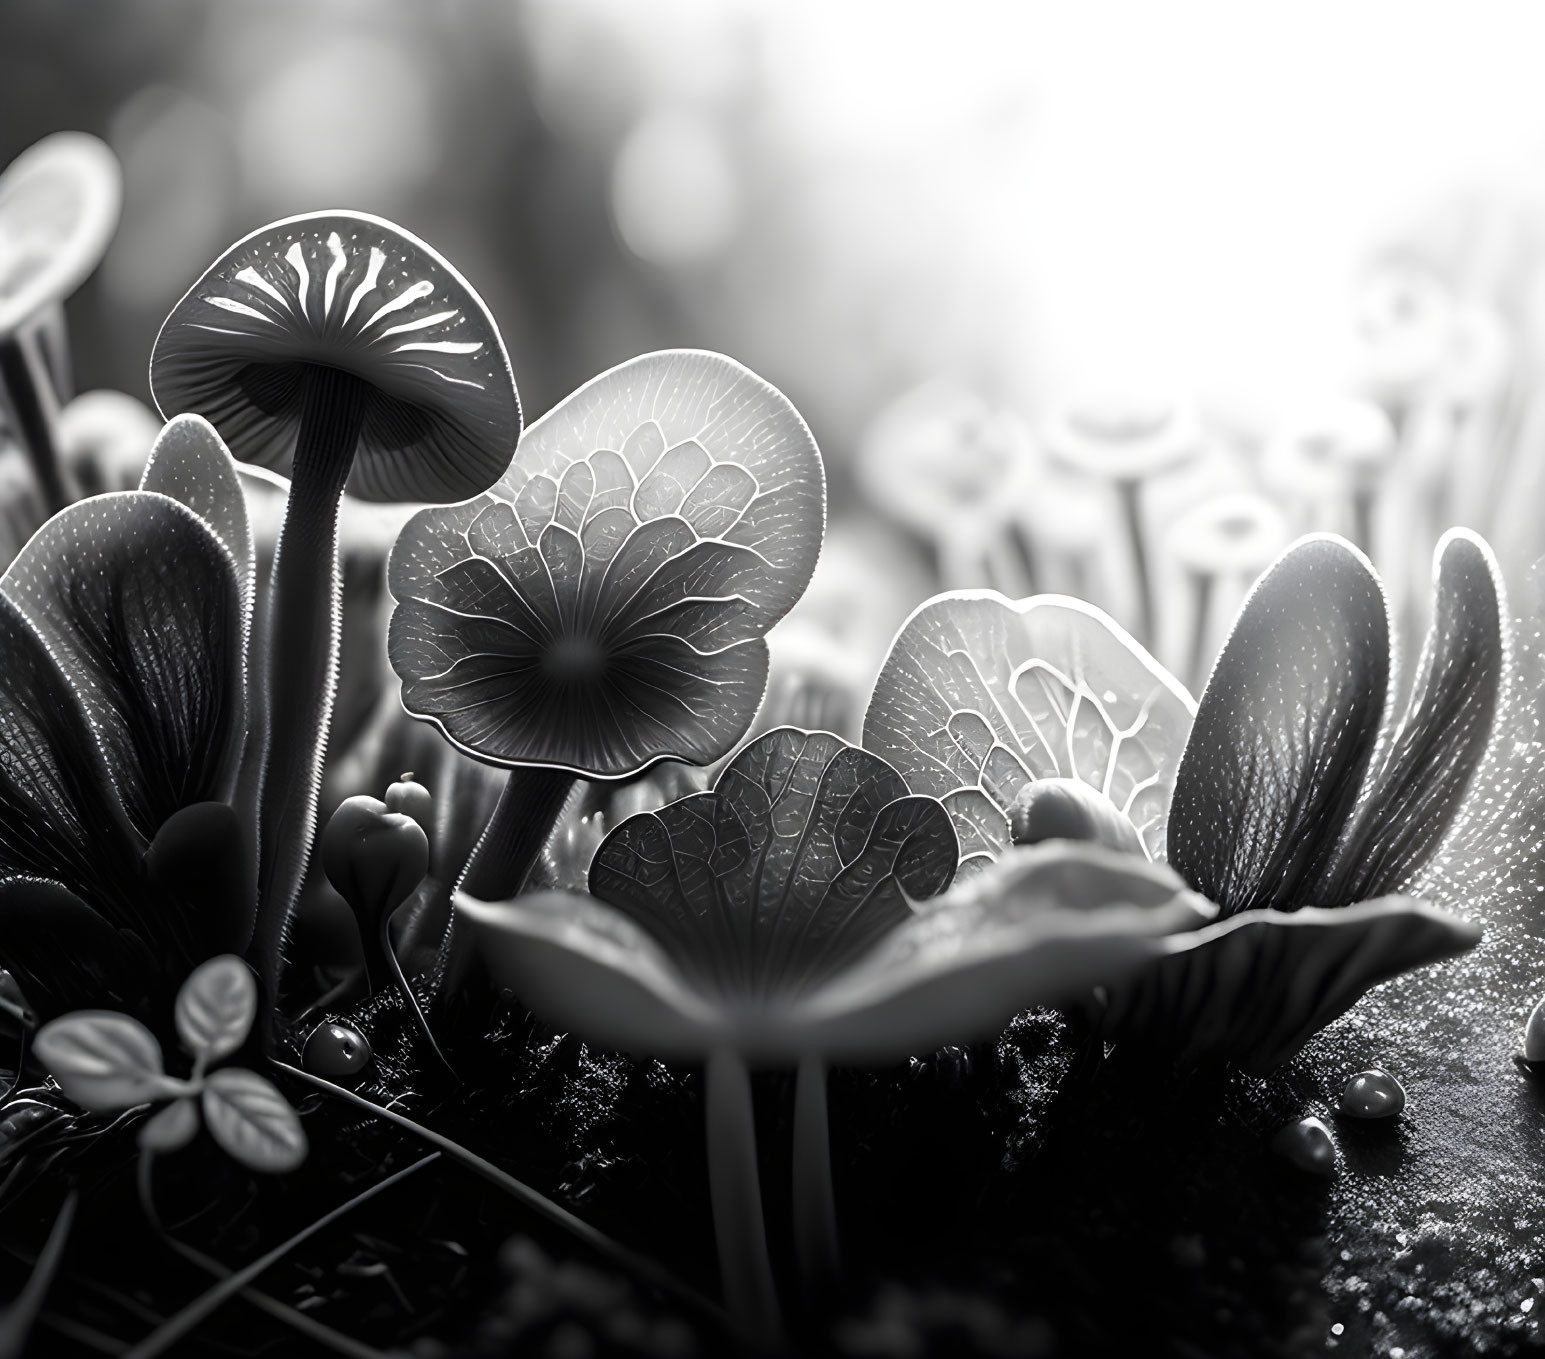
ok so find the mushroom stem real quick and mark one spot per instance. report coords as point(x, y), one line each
point(815, 1209)
point(1201, 603)
point(27, 390)
point(735, 1190)
point(524, 818)
point(1127, 491)
point(304, 617)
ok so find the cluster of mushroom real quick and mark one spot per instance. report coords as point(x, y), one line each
point(1038, 813)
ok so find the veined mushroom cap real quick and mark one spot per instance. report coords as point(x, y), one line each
point(348, 291)
point(59, 204)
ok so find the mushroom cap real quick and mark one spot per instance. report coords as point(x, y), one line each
point(1347, 438)
point(348, 291)
point(59, 204)
point(1237, 532)
point(1122, 437)
point(939, 459)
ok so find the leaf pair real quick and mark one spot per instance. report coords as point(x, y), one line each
point(123, 704)
point(1297, 787)
point(106, 1061)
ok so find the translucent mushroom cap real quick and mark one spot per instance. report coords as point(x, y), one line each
point(1122, 437)
point(59, 204)
point(347, 291)
point(1403, 318)
point(940, 456)
point(1240, 533)
point(1346, 439)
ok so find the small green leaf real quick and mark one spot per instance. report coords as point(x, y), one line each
point(215, 1007)
point(253, 1121)
point(104, 1060)
point(175, 1126)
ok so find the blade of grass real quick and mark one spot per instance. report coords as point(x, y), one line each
point(178, 1325)
point(630, 1260)
point(297, 1320)
point(16, 1319)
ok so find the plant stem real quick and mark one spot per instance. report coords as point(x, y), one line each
point(815, 1208)
point(178, 1325)
point(407, 994)
point(527, 810)
point(1128, 491)
point(302, 646)
point(735, 1190)
point(1196, 660)
point(598, 1241)
point(27, 392)
point(299, 1321)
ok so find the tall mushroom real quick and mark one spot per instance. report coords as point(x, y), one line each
point(59, 204)
point(340, 350)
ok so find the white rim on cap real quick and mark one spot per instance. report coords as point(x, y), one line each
point(59, 204)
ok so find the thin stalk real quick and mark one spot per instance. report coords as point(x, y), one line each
point(1201, 601)
point(1362, 517)
point(735, 1190)
point(296, 1320)
point(816, 1244)
point(16, 1319)
point(305, 616)
point(1128, 491)
point(27, 390)
point(527, 810)
point(639, 1265)
point(407, 995)
point(178, 1325)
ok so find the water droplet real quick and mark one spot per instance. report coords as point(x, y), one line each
point(1372, 1094)
point(1534, 1035)
point(336, 1052)
point(1307, 1144)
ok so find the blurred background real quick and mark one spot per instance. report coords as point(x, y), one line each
point(1107, 299)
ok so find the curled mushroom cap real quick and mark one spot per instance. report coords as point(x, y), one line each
point(59, 204)
point(350, 292)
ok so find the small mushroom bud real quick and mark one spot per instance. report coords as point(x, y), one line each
point(337, 1052)
point(411, 798)
point(1308, 1145)
point(1534, 1034)
point(374, 857)
point(1372, 1094)
point(1069, 809)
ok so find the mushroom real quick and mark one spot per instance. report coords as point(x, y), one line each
point(1331, 458)
point(943, 464)
point(789, 918)
point(341, 351)
point(1123, 442)
point(59, 204)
